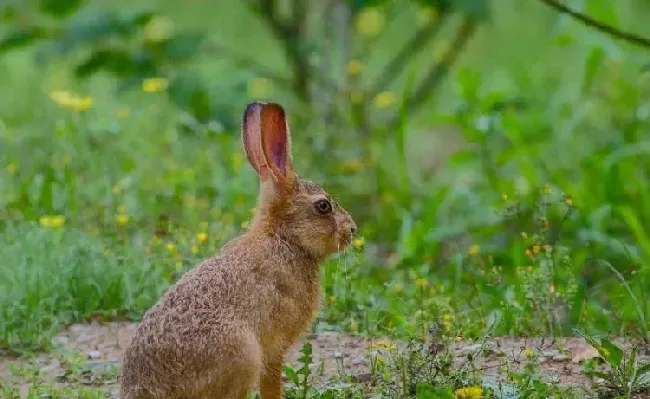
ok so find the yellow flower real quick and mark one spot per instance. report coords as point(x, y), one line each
point(171, 248)
point(536, 249)
point(475, 392)
point(11, 168)
point(52, 221)
point(421, 282)
point(354, 67)
point(358, 243)
point(354, 326)
point(82, 103)
point(529, 268)
point(459, 339)
point(370, 21)
point(260, 88)
point(123, 113)
point(504, 196)
point(202, 236)
point(154, 85)
point(62, 98)
point(547, 189)
point(194, 249)
point(529, 253)
point(568, 200)
point(528, 353)
point(474, 250)
point(446, 317)
point(385, 99)
point(332, 299)
point(122, 219)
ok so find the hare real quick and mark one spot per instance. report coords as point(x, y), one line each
point(227, 324)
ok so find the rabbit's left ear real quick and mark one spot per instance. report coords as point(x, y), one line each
point(276, 143)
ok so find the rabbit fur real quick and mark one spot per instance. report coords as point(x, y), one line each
point(227, 324)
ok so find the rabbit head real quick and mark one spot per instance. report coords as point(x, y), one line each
point(297, 210)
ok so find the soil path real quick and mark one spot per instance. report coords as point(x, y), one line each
point(100, 346)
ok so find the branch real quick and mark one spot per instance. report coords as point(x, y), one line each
point(436, 73)
point(608, 29)
point(395, 67)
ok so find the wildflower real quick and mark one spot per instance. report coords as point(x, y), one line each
point(358, 243)
point(446, 317)
point(202, 236)
point(528, 253)
point(536, 249)
point(528, 353)
point(524, 235)
point(260, 88)
point(474, 249)
point(122, 219)
point(11, 168)
point(194, 249)
point(385, 99)
point(379, 359)
point(354, 67)
point(505, 197)
point(123, 113)
point(245, 225)
point(421, 282)
point(547, 189)
point(116, 189)
point(568, 200)
point(459, 339)
point(370, 21)
point(529, 268)
point(475, 392)
point(354, 326)
point(332, 299)
point(82, 103)
point(52, 221)
point(154, 85)
point(171, 248)
point(551, 288)
point(548, 248)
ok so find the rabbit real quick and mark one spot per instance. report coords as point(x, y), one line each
point(227, 324)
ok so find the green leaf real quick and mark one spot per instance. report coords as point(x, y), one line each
point(475, 9)
point(182, 47)
point(20, 38)
point(610, 352)
point(605, 11)
point(426, 391)
point(592, 65)
point(643, 369)
point(119, 62)
point(60, 8)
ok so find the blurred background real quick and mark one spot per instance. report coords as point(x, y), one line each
point(493, 153)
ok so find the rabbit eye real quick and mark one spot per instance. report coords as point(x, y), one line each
point(324, 207)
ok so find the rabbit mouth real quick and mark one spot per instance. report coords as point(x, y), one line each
point(344, 239)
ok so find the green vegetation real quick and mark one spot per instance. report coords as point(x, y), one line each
point(498, 168)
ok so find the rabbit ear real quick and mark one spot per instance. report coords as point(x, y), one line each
point(276, 143)
point(251, 132)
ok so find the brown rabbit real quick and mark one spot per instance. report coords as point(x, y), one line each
point(227, 324)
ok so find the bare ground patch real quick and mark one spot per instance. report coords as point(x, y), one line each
point(90, 354)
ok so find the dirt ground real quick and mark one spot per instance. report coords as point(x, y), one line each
point(335, 354)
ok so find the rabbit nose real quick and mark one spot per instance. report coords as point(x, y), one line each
point(353, 228)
